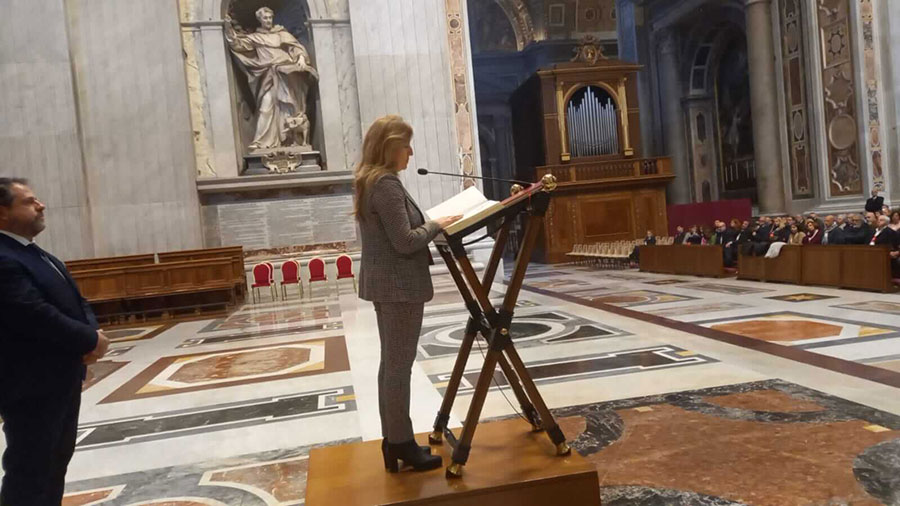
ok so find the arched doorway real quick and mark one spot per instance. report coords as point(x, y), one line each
point(737, 163)
point(717, 111)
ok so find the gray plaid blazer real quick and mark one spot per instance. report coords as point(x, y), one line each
point(395, 237)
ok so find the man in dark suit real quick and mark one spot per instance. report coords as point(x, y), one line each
point(874, 204)
point(883, 235)
point(761, 240)
point(679, 235)
point(49, 334)
point(857, 232)
point(832, 233)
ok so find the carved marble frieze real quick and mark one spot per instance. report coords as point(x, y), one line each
point(795, 96)
point(841, 115)
point(871, 70)
point(465, 125)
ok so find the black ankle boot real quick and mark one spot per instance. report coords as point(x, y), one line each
point(411, 454)
point(384, 443)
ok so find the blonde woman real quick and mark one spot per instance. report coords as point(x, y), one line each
point(394, 276)
point(797, 235)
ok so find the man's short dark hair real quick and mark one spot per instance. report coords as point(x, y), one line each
point(6, 195)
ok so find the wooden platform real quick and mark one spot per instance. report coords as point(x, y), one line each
point(508, 465)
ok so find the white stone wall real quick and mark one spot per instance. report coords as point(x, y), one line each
point(38, 120)
point(132, 97)
point(403, 67)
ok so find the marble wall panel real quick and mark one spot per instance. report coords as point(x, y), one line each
point(278, 219)
point(39, 136)
point(136, 131)
point(338, 92)
point(403, 67)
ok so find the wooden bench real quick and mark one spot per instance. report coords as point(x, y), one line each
point(691, 260)
point(841, 266)
point(235, 253)
point(786, 268)
point(90, 264)
point(161, 290)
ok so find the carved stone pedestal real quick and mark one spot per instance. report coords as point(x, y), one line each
point(282, 161)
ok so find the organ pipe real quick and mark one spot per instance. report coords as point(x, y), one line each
point(592, 126)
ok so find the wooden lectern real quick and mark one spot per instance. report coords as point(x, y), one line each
point(494, 325)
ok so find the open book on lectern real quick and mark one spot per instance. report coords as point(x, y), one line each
point(471, 204)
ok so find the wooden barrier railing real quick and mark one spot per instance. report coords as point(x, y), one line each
point(183, 282)
point(235, 253)
point(840, 266)
point(681, 259)
point(109, 263)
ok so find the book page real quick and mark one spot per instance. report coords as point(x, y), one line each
point(477, 209)
point(461, 203)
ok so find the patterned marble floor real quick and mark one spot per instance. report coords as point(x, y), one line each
point(225, 411)
point(851, 325)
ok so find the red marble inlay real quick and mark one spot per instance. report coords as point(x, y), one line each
point(82, 498)
point(237, 365)
point(780, 330)
point(766, 463)
point(285, 481)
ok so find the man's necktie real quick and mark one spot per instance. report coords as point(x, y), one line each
point(37, 249)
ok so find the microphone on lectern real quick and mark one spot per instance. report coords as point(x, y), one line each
point(425, 172)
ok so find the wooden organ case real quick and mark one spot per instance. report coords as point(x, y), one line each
point(580, 122)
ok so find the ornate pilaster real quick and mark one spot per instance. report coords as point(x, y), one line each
point(463, 103)
point(794, 55)
point(766, 118)
point(873, 92)
point(841, 117)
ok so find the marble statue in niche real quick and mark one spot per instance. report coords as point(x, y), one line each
point(280, 78)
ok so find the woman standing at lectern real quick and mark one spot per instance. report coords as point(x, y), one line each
point(394, 276)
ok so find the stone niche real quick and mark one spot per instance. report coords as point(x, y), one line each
point(297, 194)
point(276, 86)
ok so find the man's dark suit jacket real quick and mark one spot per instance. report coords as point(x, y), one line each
point(782, 234)
point(858, 235)
point(835, 236)
point(887, 236)
point(874, 204)
point(729, 235)
point(679, 239)
point(762, 233)
point(46, 326)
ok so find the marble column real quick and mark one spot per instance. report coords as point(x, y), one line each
point(679, 191)
point(764, 107)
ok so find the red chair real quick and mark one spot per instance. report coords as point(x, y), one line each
point(316, 268)
point(272, 279)
point(262, 276)
point(345, 269)
point(290, 275)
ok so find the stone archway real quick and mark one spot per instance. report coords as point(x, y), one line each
point(217, 9)
point(520, 19)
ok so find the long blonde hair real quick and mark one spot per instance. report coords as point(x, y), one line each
point(386, 135)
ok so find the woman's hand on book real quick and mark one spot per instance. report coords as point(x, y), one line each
point(446, 221)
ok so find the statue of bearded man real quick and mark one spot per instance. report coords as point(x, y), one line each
point(280, 75)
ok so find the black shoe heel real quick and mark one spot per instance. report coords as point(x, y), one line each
point(411, 454)
point(390, 462)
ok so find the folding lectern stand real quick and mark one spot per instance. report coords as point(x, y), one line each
point(494, 325)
